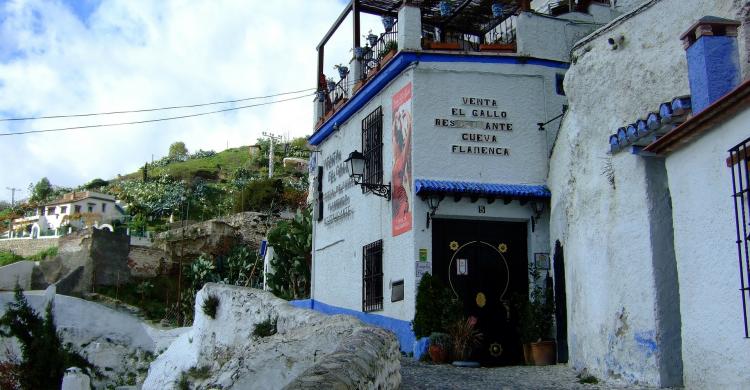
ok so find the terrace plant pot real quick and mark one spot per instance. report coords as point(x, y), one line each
point(444, 45)
point(387, 56)
point(501, 47)
point(543, 353)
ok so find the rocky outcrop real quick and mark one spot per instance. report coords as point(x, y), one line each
point(214, 237)
point(223, 352)
point(119, 345)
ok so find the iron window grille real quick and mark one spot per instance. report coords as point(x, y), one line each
point(739, 159)
point(372, 276)
point(372, 145)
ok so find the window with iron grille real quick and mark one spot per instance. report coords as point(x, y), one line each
point(372, 276)
point(372, 147)
point(739, 159)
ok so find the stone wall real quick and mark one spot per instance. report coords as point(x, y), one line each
point(26, 247)
point(146, 262)
point(367, 360)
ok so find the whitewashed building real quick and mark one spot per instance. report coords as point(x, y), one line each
point(456, 127)
point(642, 197)
point(73, 209)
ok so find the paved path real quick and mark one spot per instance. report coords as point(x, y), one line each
point(419, 375)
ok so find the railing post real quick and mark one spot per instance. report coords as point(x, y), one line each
point(409, 28)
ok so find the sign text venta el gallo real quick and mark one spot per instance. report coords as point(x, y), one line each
point(480, 114)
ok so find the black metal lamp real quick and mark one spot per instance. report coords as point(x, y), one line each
point(433, 201)
point(356, 162)
point(538, 208)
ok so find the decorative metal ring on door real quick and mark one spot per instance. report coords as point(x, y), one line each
point(495, 248)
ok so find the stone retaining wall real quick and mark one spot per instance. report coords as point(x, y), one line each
point(367, 360)
point(146, 262)
point(26, 247)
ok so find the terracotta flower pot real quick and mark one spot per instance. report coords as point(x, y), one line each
point(438, 354)
point(543, 353)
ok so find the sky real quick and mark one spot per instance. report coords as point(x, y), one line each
point(61, 57)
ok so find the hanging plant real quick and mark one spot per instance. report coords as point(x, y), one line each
point(497, 9)
point(372, 39)
point(388, 22)
point(359, 53)
point(331, 84)
point(343, 70)
point(445, 8)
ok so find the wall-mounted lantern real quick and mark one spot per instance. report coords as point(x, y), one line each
point(356, 162)
point(433, 201)
point(538, 208)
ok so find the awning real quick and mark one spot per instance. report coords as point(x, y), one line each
point(481, 190)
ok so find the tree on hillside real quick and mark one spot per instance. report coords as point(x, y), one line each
point(178, 151)
point(95, 184)
point(41, 191)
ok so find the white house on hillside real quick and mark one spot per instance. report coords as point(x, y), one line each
point(73, 209)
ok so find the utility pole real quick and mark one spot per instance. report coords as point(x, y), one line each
point(272, 137)
point(12, 195)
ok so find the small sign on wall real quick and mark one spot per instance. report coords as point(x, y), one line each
point(422, 254)
point(397, 291)
point(462, 267)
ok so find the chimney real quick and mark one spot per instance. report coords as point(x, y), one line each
point(712, 58)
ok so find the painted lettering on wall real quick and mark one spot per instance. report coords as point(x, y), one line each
point(488, 117)
point(337, 203)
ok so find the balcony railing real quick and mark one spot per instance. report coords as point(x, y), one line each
point(375, 55)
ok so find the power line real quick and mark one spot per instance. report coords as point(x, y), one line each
point(152, 109)
point(153, 120)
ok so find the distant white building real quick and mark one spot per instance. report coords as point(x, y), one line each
point(78, 209)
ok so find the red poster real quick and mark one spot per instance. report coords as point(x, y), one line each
point(401, 201)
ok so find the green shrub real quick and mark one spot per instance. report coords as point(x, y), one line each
point(8, 257)
point(210, 305)
point(590, 379)
point(292, 244)
point(44, 357)
point(260, 195)
point(436, 307)
point(48, 253)
point(265, 328)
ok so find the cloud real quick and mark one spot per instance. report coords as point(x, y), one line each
point(62, 57)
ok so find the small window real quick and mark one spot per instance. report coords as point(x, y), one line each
point(372, 276)
point(63, 209)
point(104, 207)
point(78, 209)
point(319, 195)
point(91, 207)
point(51, 210)
point(559, 87)
point(372, 147)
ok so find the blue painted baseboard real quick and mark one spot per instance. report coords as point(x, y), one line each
point(401, 328)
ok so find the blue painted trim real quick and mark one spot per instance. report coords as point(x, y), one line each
point(397, 65)
point(401, 328)
point(424, 187)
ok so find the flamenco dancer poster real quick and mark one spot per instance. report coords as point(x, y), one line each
point(401, 201)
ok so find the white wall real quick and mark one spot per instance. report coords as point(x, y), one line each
point(613, 236)
point(714, 350)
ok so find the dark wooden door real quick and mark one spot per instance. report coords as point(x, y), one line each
point(485, 264)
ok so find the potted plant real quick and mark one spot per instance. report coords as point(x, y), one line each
point(439, 347)
point(497, 9)
point(464, 338)
point(343, 70)
point(331, 84)
point(388, 22)
point(436, 310)
point(542, 308)
point(389, 50)
point(372, 39)
point(445, 8)
point(526, 326)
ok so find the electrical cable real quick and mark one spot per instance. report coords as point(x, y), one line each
point(152, 109)
point(153, 120)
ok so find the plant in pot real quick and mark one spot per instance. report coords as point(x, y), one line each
point(331, 84)
point(439, 347)
point(389, 49)
point(464, 337)
point(526, 325)
point(542, 308)
point(388, 22)
point(343, 70)
point(372, 39)
point(436, 308)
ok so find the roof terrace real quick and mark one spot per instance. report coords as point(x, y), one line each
point(479, 27)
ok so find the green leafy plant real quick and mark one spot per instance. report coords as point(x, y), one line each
point(590, 379)
point(387, 48)
point(266, 327)
point(292, 244)
point(436, 307)
point(8, 257)
point(210, 305)
point(44, 357)
point(260, 195)
point(541, 305)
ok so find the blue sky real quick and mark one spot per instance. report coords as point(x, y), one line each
point(79, 56)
